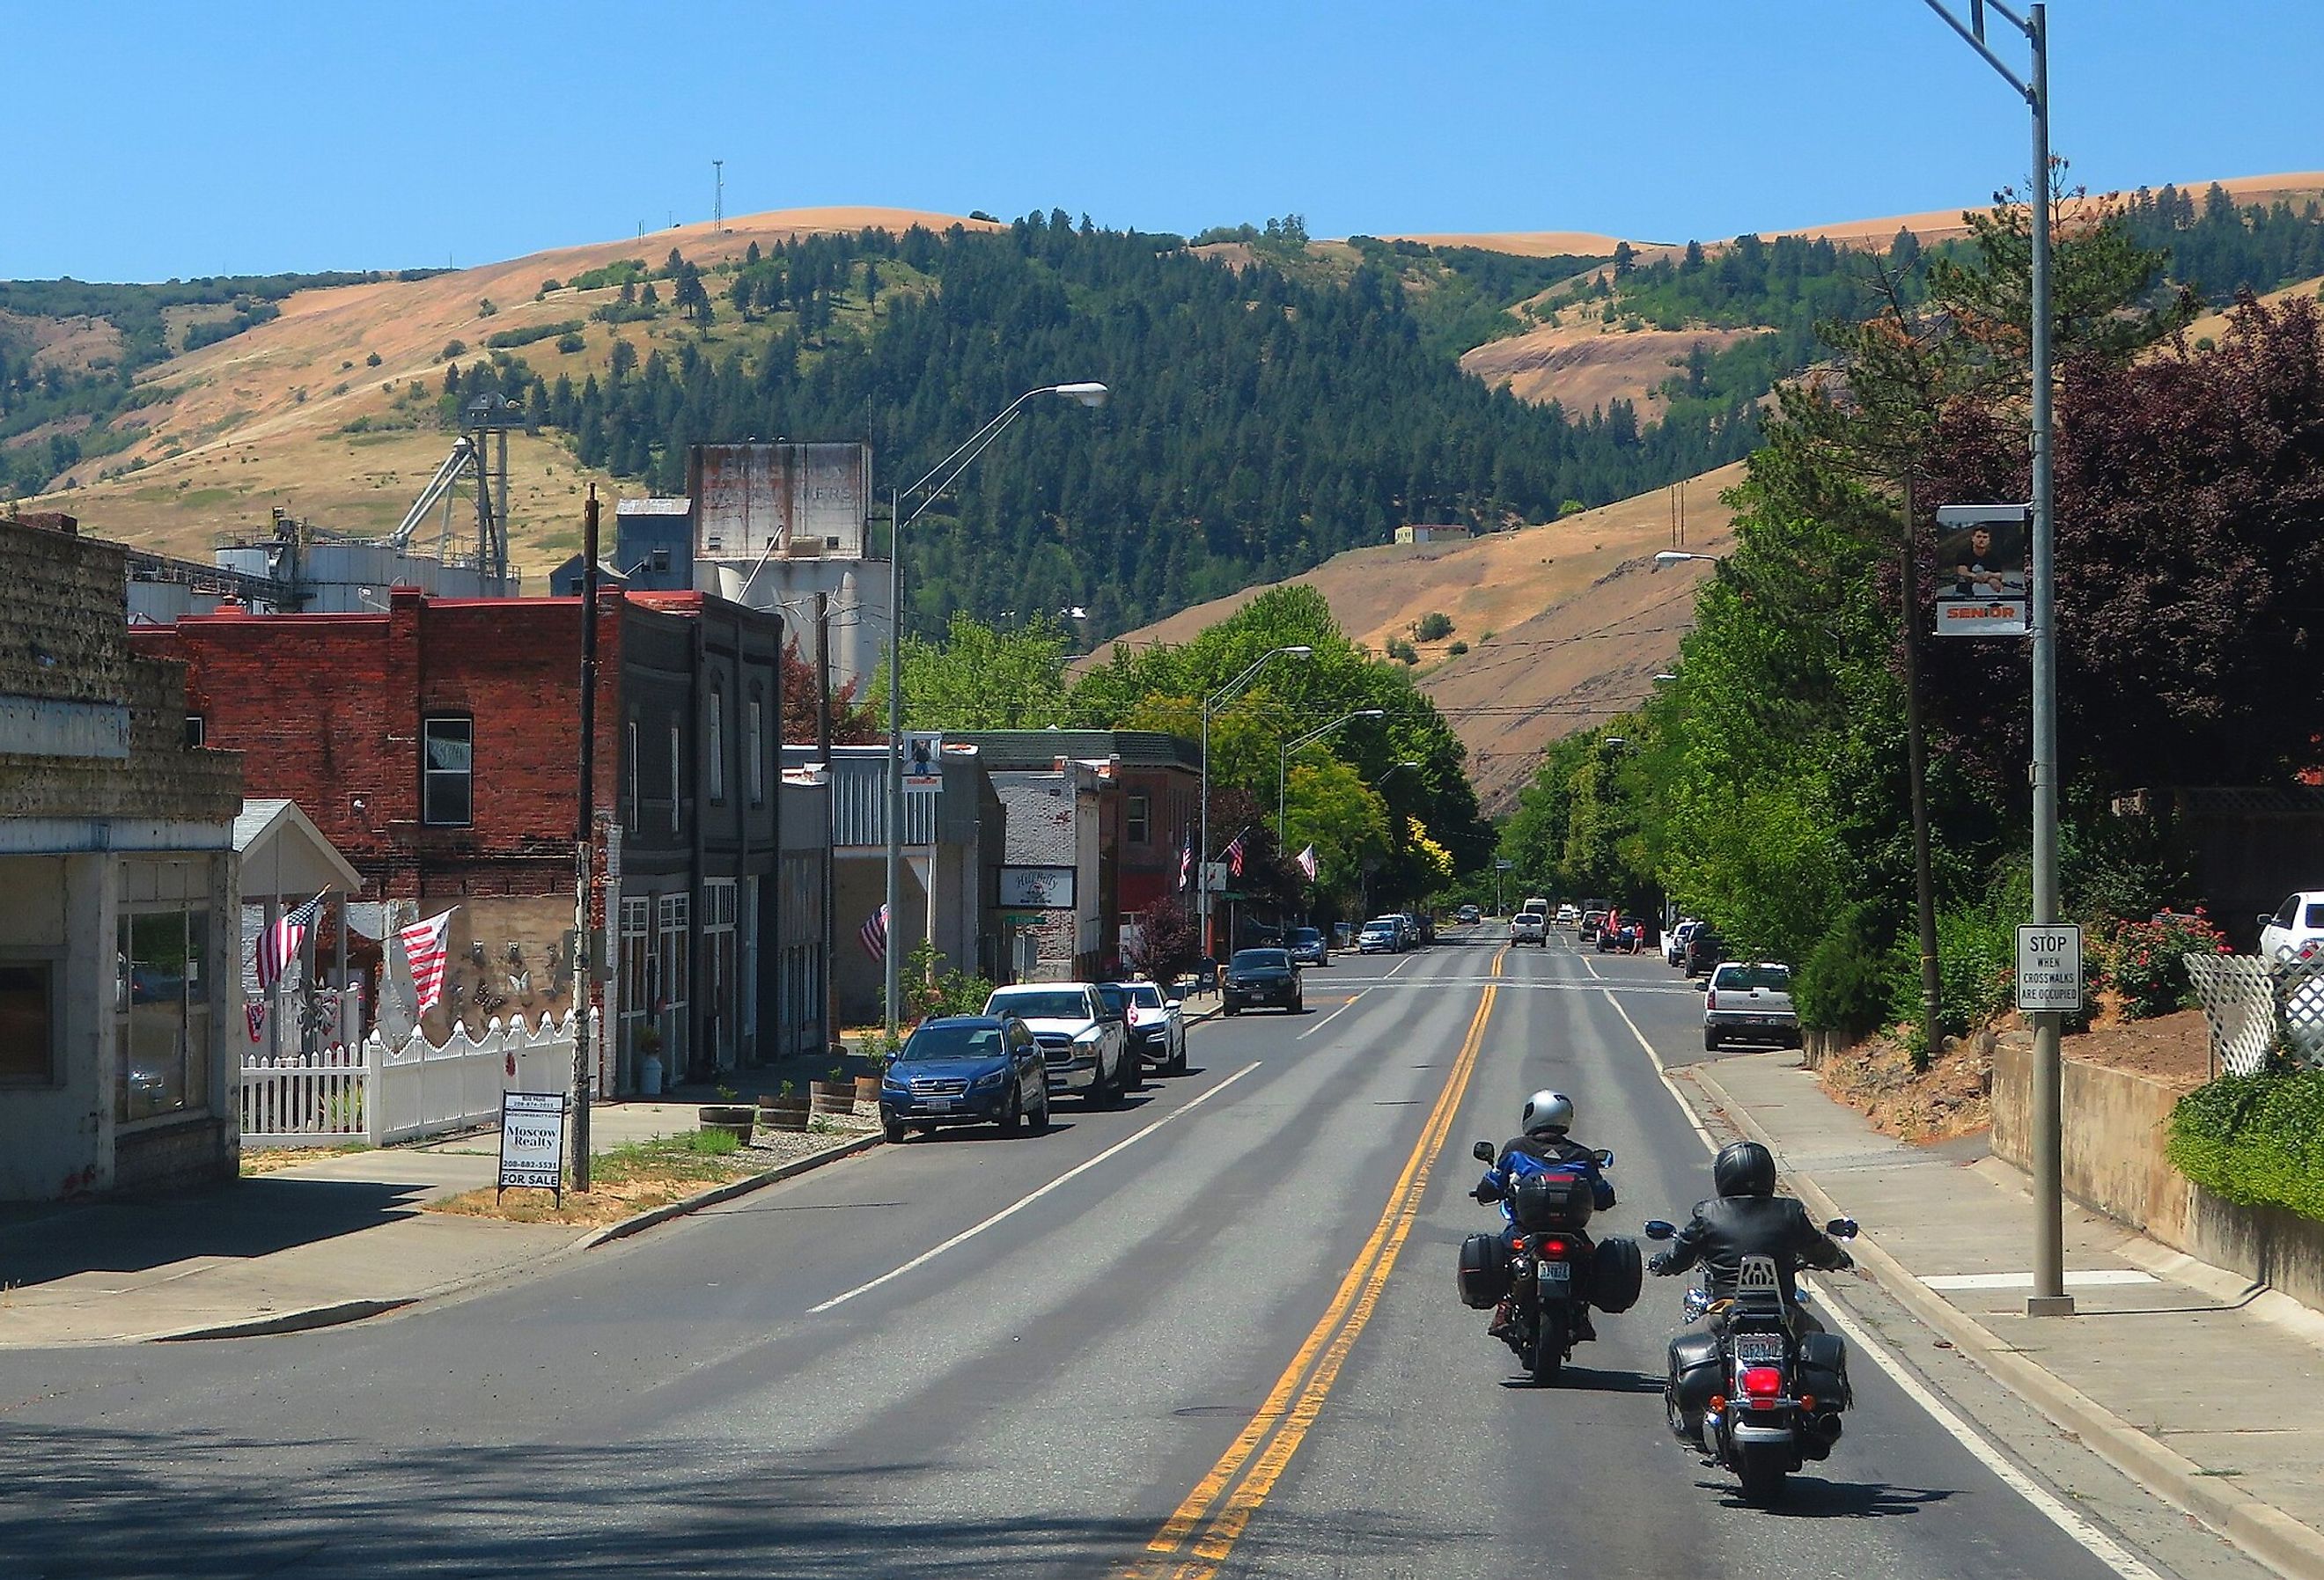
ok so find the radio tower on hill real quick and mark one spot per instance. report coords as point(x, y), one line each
point(718, 198)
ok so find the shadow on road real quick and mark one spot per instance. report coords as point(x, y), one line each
point(236, 1219)
point(1574, 1379)
point(1810, 1497)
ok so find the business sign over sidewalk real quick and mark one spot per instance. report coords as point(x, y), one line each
point(532, 1142)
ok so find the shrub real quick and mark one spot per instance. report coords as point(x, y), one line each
point(1402, 650)
point(2257, 1140)
point(2145, 961)
point(1844, 984)
point(1457, 649)
point(1434, 626)
point(372, 360)
point(572, 341)
point(485, 309)
point(453, 348)
point(507, 338)
point(1976, 967)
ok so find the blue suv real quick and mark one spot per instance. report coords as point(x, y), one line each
point(966, 1070)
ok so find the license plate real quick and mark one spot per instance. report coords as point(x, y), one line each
point(1557, 1272)
point(938, 1104)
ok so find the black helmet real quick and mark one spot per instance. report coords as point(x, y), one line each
point(1744, 1169)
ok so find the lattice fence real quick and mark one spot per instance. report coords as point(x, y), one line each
point(2257, 1007)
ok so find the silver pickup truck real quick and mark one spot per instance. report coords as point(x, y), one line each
point(1749, 1001)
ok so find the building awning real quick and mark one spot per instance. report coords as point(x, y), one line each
point(285, 855)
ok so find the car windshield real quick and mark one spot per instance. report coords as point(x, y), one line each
point(1307, 934)
point(1052, 1005)
point(1145, 995)
point(936, 1043)
point(1258, 960)
point(1743, 978)
point(1379, 927)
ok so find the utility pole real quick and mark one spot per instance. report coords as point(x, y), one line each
point(718, 200)
point(584, 955)
point(823, 750)
point(891, 967)
point(1916, 768)
point(2049, 1298)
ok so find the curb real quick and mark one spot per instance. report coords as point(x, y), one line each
point(2263, 1530)
point(340, 1313)
point(726, 1192)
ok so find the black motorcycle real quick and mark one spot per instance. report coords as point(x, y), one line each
point(1545, 1267)
point(1752, 1389)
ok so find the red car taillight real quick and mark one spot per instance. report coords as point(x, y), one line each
point(1549, 1246)
point(1762, 1381)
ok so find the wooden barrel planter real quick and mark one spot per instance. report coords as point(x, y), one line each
point(735, 1119)
point(867, 1088)
point(777, 1113)
point(832, 1099)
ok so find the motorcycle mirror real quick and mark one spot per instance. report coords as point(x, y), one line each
point(1604, 1157)
point(1656, 1229)
point(1841, 1228)
point(1482, 1152)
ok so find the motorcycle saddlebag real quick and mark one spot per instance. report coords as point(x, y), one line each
point(1551, 1201)
point(1484, 1274)
point(1694, 1362)
point(1614, 1283)
point(1823, 1369)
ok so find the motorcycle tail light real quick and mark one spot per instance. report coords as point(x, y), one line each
point(1552, 1247)
point(1519, 1244)
point(1763, 1381)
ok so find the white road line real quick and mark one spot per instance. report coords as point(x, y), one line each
point(1592, 970)
point(2088, 1536)
point(1334, 1016)
point(1023, 1202)
point(1400, 966)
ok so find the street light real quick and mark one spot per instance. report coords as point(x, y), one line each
point(1211, 705)
point(1283, 758)
point(940, 477)
point(2049, 1298)
point(1680, 556)
point(1393, 770)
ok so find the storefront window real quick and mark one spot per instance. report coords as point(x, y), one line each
point(162, 1013)
point(28, 1023)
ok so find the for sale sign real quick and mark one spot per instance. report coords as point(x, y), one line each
point(2050, 968)
point(532, 1141)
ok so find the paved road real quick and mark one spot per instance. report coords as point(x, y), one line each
point(1220, 1319)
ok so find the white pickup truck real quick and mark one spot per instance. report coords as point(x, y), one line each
point(1749, 1003)
point(1530, 926)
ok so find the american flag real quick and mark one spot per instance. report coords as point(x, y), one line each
point(1307, 863)
point(1186, 861)
point(423, 946)
point(1234, 856)
point(255, 1012)
point(279, 946)
point(873, 935)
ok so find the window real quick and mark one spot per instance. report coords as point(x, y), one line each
point(28, 1023)
point(1142, 817)
point(162, 1013)
point(197, 729)
point(447, 772)
point(758, 750)
point(718, 746)
point(662, 562)
point(673, 773)
point(632, 822)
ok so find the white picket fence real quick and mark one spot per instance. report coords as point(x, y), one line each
point(377, 1094)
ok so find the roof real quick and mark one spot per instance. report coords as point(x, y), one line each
point(1040, 749)
point(284, 855)
point(660, 506)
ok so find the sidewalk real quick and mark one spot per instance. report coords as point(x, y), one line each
point(331, 1241)
point(2191, 1381)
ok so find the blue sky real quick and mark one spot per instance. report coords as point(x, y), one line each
point(142, 142)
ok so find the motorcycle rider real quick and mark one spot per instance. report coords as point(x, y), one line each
point(1544, 1142)
point(1747, 1218)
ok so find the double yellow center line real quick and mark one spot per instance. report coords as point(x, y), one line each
point(1196, 1540)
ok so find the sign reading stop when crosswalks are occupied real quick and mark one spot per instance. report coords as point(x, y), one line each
point(2050, 968)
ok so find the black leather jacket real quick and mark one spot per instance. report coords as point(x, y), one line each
point(1726, 1229)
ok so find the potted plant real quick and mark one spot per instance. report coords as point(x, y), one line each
point(877, 1052)
point(834, 1095)
point(726, 1114)
point(783, 1110)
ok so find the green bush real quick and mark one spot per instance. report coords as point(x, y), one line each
point(1845, 983)
point(2257, 1140)
point(1456, 650)
point(508, 339)
point(1434, 626)
point(572, 342)
point(2146, 962)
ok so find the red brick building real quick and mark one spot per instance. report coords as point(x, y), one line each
point(437, 745)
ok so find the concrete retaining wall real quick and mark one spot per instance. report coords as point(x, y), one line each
point(2114, 1127)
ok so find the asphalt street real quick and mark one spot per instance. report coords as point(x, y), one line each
point(1211, 1330)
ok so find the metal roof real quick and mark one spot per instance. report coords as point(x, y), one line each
point(1037, 749)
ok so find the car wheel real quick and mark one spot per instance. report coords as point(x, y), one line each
point(1710, 1042)
point(1177, 1064)
point(1012, 1118)
point(891, 1131)
point(1298, 1006)
point(1039, 1122)
point(1133, 1071)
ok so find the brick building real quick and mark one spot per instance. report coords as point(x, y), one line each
point(436, 745)
point(120, 923)
point(1158, 787)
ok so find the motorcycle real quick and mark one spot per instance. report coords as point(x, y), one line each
point(1752, 1391)
point(1544, 1267)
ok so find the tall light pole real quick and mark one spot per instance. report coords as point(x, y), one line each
point(940, 477)
point(2049, 1298)
point(1283, 758)
point(1211, 705)
point(1393, 770)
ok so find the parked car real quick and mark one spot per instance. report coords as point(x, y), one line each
point(1675, 940)
point(1263, 977)
point(1084, 1041)
point(1378, 938)
point(1468, 916)
point(1618, 936)
point(1704, 949)
point(2296, 930)
point(966, 1070)
point(1749, 1003)
point(1308, 947)
point(1157, 1026)
point(1529, 926)
point(1592, 921)
point(1399, 930)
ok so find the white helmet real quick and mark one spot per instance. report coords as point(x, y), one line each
point(1548, 1111)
